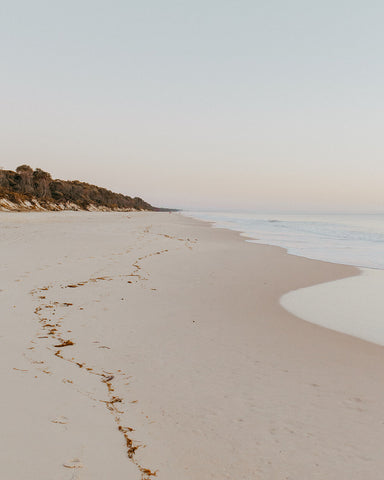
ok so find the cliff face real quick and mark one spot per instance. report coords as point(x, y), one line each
point(28, 189)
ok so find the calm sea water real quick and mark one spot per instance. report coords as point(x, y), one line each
point(349, 239)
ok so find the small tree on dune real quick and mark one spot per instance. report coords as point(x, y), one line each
point(3, 178)
point(26, 178)
point(41, 182)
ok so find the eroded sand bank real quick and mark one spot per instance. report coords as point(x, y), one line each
point(183, 362)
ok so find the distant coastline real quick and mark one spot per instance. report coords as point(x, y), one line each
point(35, 190)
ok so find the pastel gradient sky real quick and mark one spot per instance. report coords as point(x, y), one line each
point(257, 105)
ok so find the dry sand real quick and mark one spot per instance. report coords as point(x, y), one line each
point(178, 335)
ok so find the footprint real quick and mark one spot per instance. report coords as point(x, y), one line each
point(75, 463)
point(60, 420)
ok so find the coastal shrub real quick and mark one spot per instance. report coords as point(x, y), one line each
point(28, 184)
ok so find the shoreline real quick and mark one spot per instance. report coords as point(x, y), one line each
point(306, 303)
point(353, 305)
point(304, 240)
point(186, 320)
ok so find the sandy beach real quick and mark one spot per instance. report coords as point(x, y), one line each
point(151, 345)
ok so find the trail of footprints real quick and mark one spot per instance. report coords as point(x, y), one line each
point(52, 329)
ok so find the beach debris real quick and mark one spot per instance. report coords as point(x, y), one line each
point(148, 472)
point(131, 448)
point(65, 343)
point(115, 400)
point(125, 429)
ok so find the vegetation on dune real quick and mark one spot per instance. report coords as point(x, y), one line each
point(28, 189)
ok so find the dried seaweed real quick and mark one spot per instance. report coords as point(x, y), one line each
point(65, 343)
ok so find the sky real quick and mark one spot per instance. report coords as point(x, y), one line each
point(217, 104)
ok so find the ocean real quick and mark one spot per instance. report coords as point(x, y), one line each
point(348, 239)
point(352, 305)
